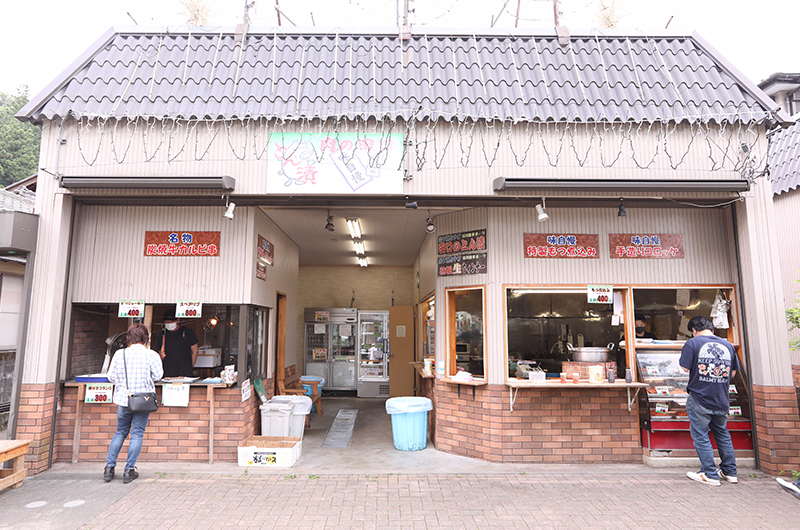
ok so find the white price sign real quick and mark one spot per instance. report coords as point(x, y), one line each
point(189, 309)
point(175, 395)
point(600, 294)
point(131, 309)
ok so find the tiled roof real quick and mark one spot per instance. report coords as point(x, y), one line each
point(521, 77)
point(784, 160)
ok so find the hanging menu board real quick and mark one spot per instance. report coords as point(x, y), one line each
point(646, 246)
point(458, 256)
point(567, 246)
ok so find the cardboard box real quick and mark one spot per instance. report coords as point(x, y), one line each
point(208, 358)
point(270, 451)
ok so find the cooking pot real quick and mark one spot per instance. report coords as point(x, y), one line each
point(590, 355)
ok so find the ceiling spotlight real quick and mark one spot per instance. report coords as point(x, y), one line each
point(621, 212)
point(329, 223)
point(362, 262)
point(541, 215)
point(229, 211)
point(355, 228)
point(430, 227)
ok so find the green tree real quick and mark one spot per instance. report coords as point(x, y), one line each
point(793, 318)
point(19, 142)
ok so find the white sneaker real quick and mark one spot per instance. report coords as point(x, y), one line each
point(789, 486)
point(733, 479)
point(701, 477)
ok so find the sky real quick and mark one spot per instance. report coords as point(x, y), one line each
point(40, 39)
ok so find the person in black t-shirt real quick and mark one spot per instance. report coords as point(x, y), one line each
point(179, 353)
point(712, 362)
point(640, 325)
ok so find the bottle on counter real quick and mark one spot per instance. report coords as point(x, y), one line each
point(628, 375)
point(612, 375)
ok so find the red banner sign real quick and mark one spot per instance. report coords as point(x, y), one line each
point(181, 243)
point(646, 246)
point(567, 246)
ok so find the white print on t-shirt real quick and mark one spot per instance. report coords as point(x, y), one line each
point(714, 363)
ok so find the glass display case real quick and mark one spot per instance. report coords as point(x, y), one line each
point(662, 408)
point(373, 354)
point(330, 344)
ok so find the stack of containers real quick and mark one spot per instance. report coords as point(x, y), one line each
point(276, 418)
point(301, 407)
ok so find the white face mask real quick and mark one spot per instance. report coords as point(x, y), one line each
point(172, 326)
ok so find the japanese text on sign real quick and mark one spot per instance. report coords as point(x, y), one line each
point(99, 393)
point(646, 246)
point(581, 246)
point(335, 163)
point(265, 250)
point(189, 309)
point(463, 242)
point(600, 294)
point(180, 243)
point(462, 264)
point(131, 309)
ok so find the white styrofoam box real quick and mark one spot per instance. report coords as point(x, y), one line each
point(302, 406)
point(208, 358)
point(276, 418)
point(270, 451)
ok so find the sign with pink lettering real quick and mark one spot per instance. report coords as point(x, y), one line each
point(646, 246)
point(181, 243)
point(335, 163)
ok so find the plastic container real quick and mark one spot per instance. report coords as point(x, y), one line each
point(276, 419)
point(302, 406)
point(409, 422)
point(309, 390)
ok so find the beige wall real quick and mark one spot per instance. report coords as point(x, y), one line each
point(787, 206)
point(333, 287)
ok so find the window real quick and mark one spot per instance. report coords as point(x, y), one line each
point(466, 331)
point(257, 342)
point(428, 328)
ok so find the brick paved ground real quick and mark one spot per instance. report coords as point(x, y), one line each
point(430, 501)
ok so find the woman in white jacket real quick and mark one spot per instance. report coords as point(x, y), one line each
point(133, 369)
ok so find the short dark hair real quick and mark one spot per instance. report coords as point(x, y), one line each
point(700, 323)
point(638, 316)
point(138, 334)
point(169, 314)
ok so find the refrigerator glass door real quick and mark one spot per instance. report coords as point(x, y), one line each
point(373, 347)
point(343, 356)
point(317, 354)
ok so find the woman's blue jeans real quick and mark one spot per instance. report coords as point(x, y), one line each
point(127, 422)
point(701, 420)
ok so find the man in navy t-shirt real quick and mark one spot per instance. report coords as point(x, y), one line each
point(712, 363)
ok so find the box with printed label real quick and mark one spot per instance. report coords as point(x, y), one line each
point(270, 451)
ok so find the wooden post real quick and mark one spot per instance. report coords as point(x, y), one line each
point(76, 435)
point(210, 398)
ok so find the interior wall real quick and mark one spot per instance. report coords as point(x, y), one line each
point(333, 287)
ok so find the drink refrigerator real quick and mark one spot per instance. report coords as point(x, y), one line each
point(330, 346)
point(373, 354)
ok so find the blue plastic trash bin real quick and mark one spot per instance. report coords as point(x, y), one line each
point(409, 422)
point(309, 390)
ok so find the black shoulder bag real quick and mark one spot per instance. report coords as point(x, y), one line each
point(140, 401)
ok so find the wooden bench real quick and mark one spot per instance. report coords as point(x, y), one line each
point(16, 450)
point(293, 385)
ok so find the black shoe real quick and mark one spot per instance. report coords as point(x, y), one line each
point(108, 474)
point(129, 476)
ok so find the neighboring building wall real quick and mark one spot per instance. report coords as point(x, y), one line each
point(787, 207)
point(333, 287)
point(88, 345)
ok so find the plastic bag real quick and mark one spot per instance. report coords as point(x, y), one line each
point(719, 312)
point(409, 404)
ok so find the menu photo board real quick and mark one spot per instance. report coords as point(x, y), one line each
point(561, 246)
point(646, 246)
point(181, 243)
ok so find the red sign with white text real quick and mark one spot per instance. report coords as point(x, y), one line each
point(646, 246)
point(567, 246)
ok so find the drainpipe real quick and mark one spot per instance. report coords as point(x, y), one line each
point(22, 341)
point(64, 305)
point(744, 334)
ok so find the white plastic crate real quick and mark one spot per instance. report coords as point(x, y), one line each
point(270, 451)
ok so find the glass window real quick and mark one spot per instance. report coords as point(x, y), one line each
point(257, 342)
point(466, 331)
point(429, 328)
point(665, 312)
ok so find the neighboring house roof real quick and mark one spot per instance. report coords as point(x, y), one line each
point(219, 74)
point(17, 202)
point(29, 183)
point(784, 159)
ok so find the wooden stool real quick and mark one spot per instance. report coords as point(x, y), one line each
point(16, 450)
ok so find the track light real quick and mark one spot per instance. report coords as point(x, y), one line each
point(229, 210)
point(430, 227)
point(541, 215)
point(329, 223)
point(621, 212)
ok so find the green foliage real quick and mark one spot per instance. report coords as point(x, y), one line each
point(793, 318)
point(19, 142)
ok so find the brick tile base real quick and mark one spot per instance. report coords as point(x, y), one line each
point(547, 425)
point(34, 423)
point(796, 374)
point(777, 425)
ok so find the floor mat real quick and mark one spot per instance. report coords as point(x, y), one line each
point(338, 436)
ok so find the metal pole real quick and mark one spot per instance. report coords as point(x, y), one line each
point(555, 13)
point(516, 22)
point(278, 10)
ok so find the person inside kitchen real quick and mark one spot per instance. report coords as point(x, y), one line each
point(640, 325)
point(179, 351)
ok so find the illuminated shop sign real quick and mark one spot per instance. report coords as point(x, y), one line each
point(555, 246)
point(181, 243)
point(646, 246)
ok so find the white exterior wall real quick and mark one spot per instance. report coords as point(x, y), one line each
point(787, 206)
